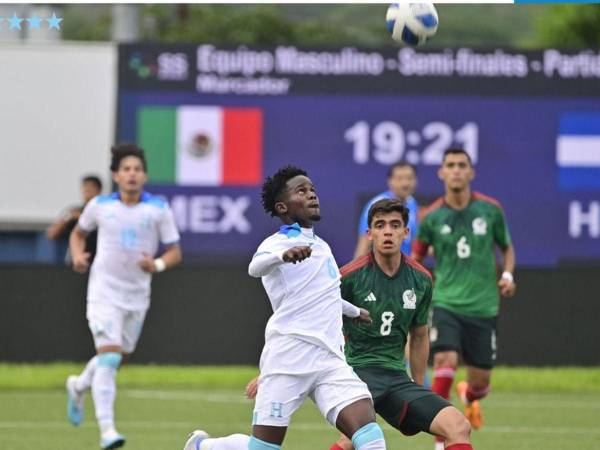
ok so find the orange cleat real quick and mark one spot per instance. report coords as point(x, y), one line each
point(472, 409)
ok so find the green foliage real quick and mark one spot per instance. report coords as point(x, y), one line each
point(569, 26)
point(86, 23)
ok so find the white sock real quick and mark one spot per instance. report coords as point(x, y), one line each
point(233, 442)
point(84, 381)
point(104, 390)
point(378, 444)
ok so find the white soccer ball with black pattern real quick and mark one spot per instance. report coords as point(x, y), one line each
point(412, 23)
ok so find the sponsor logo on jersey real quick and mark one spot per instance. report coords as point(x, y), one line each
point(370, 298)
point(410, 299)
point(446, 229)
point(479, 226)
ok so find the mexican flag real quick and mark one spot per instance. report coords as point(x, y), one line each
point(202, 145)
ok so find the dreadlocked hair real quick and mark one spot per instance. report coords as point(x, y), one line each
point(275, 185)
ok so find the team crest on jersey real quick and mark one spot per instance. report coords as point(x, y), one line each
point(479, 226)
point(446, 229)
point(410, 299)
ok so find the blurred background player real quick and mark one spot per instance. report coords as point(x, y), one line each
point(60, 230)
point(130, 224)
point(396, 290)
point(303, 353)
point(402, 182)
point(463, 227)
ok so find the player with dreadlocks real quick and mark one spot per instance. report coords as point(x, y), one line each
point(303, 354)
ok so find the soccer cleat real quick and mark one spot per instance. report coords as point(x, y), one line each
point(111, 440)
point(74, 401)
point(472, 409)
point(195, 440)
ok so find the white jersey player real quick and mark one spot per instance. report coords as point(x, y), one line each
point(303, 354)
point(130, 225)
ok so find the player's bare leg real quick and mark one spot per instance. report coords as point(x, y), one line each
point(452, 426)
point(444, 369)
point(471, 391)
point(358, 421)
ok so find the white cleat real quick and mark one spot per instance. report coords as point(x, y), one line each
point(111, 440)
point(195, 440)
point(74, 401)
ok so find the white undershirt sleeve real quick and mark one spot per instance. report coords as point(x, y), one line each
point(350, 310)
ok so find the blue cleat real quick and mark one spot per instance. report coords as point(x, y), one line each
point(112, 440)
point(74, 402)
point(195, 440)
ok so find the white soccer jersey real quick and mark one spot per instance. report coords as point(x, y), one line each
point(124, 234)
point(305, 296)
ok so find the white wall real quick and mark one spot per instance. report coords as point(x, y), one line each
point(57, 116)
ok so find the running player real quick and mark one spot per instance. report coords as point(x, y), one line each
point(464, 227)
point(130, 224)
point(303, 354)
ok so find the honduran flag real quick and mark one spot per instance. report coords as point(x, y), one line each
point(578, 151)
point(202, 145)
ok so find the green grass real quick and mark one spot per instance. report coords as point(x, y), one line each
point(549, 409)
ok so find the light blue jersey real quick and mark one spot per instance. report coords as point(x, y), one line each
point(413, 209)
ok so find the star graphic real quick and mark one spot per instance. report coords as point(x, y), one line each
point(34, 21)
point(54, 22)
point(15, 22)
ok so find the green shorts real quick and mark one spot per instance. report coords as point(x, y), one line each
point(403, 404)
point(474, 338)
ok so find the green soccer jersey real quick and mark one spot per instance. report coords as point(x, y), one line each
point(463, 246)
point(396, 304)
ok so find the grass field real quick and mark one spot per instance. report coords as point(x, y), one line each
point(529, 409)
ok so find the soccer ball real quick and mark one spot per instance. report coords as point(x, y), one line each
point(412, 23)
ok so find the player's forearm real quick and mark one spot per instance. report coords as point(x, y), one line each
point(77, 242)
point(263, 263)
point(56, 229)
point(172, 256)
point(349, 310)
point(419, 352)
point(509, 258)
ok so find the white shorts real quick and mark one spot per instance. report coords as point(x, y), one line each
point(111, 325)
point(291, 370)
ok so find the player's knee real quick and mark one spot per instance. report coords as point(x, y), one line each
point(110, 359)
point(258, 444)
point(456, 427)
point(368, 437)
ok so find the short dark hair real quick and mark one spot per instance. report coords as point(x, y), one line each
point(400, 165)
point(94, 180)
point(276, 184)
point(387, 206)
point(457, 151)
point(123, 150)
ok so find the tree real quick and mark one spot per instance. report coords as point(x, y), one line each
point(569, 27)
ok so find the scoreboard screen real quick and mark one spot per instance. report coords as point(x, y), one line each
point(216, 121)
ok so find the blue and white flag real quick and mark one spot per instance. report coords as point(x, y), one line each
point(578, 151)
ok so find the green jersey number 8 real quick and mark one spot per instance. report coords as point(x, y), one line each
point(463, 249)
point(386, 323)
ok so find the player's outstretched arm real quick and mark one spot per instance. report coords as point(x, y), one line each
point(418, 344)
point(506, 284)
point(264, 262)
point(81, 259)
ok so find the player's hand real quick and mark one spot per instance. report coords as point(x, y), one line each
point(252, 388)
point(147, 263)
point(81, 263)
point(507, 287)
point(297, 254)
point(364, 317)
